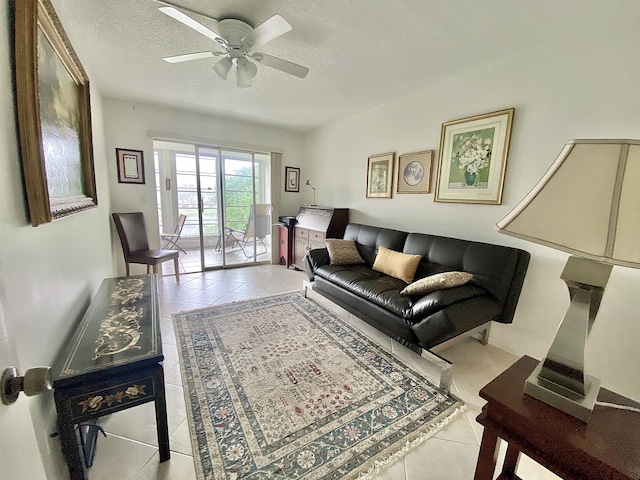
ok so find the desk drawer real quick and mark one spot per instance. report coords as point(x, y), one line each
point(111, 398)
point(302, 233)
point(316, 236)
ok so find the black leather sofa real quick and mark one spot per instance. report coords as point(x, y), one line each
point(423, 322)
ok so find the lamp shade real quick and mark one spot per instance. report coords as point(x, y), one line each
point(222, 67)
point(246, 70)
point(586, 204)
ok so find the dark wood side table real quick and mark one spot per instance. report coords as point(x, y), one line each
point(112, 362)
point(608, 447)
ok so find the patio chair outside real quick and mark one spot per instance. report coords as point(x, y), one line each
point(257, 228)
point(171, 239)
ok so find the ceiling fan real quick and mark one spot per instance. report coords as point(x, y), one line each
point(233, 45)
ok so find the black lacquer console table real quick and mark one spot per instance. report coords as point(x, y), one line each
point(112, 362)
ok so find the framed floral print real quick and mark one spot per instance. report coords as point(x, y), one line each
point(414, 172)
point(380, 175)
point(54, 116)
point(292, 179)
point(473, 158)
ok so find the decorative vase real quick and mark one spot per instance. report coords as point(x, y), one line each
point(469, 178)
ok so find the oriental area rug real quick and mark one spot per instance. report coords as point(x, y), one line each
point(281, 388)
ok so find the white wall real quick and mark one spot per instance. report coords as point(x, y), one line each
point(585, 87)
point(127, 125)
point(49, 273)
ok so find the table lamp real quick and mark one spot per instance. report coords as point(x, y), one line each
point(586, 204)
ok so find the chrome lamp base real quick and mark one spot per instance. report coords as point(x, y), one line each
point(560, 379)
point(562, 398)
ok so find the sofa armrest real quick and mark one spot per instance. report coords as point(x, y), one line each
point(313, 259)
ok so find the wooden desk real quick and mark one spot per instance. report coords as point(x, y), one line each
point(608, 447)
point(112, 363)
point(313, 226)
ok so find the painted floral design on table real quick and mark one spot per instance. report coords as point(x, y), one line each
point(96, 402)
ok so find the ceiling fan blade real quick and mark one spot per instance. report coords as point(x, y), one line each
point(280, 64)
point(197, 26)
point(191, 56)
point(266, 31)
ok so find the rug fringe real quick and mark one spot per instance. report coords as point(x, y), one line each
point(379, 465)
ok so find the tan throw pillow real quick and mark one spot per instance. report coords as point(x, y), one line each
point(396, 264)
point(436, 282)
point(343, 252)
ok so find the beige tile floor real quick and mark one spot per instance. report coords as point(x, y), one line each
point(130, 449)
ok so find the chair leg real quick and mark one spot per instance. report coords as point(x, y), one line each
point(174, 243)
point(254, 244)
point(176, 267)
point(154, 269)
point(126, 268)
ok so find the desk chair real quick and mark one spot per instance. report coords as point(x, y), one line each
point(132, 231)
point(171, 239)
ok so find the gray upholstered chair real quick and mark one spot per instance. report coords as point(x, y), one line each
point(132, 231)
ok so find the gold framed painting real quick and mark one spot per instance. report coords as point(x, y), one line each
point(414, 172)
point(473, 158)
point(54, 116)
point(380, 175)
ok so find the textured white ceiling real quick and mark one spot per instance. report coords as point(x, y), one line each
point(360, 53)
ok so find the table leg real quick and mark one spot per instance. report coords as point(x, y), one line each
point(510, 462)
point(488, 455)
point(162, 425)
point(69, 441)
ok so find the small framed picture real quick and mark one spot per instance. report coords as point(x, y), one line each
point(292, 179)
point(130, 166)
point(380, 175)
point(414, 172)
point(473, 158)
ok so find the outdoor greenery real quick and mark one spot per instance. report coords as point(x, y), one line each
point(238, 196)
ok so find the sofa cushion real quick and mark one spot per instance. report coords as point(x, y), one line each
point(369, 239)
point(396, 264)
point(436, 282)
point(441, 299)
point(384, 291)
point(343, 252)
point(369, 284)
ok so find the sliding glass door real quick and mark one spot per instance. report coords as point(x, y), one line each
point(225, 195)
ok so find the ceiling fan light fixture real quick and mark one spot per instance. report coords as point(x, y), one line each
point(222, 67)
point(246, 71)
point(236, 39)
